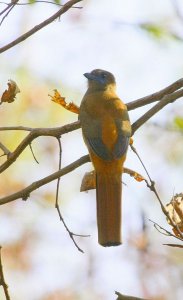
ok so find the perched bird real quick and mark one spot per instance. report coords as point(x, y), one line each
point(106, 131)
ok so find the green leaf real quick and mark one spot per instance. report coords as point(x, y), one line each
point(179, 122)
point(57, 1)
point(159, 31)
point(155, 30)
point(32, 1)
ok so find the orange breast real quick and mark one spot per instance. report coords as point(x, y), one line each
point(109, 137)
point(109, 131)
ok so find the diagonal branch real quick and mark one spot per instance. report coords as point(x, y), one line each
point(169, 96)
point(8, 9)
point(5, 150)
point(25, 193)
point(164, 231)
point(38, 27)
point(155, 96)
point(21, 128)
point(34, 133)
point(125, 297)
point(156, 108)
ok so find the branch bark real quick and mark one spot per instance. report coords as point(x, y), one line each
point(25, 193)
point(34, 133)
point(2, 279)
point(155, 96)
point(170, 98)
point(125, 297)
point(38, 27)
point(4, 149)
point(168, 95)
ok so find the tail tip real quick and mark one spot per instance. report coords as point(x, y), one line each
point(110, 244)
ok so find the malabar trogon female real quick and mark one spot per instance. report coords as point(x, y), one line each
point(106, 130)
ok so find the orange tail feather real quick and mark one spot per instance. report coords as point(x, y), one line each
point(109, 189)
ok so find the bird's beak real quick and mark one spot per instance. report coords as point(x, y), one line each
point(91, 76)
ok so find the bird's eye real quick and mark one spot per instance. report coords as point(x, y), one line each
point(104, 75)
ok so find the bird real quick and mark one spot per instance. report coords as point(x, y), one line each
point(106, 131)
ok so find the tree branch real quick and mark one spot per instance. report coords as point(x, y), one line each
point(36, 1)
point(2, 279)
point(21, 128)
point(25, 193)
point(155, 96)
point(38, 27)
point(156, 108)
point(9, 8)
point(5, 150)
point(151, 186)
point(34, 133)
point(169, 94)
point(164, 231)
point(125, 297)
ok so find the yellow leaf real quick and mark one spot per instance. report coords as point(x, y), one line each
point(57, 98)
point(138, 177)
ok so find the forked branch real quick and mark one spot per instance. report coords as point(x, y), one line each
point(38, 27)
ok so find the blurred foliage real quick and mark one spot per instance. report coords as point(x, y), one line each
point(32, 1)
point(44, 1)
point(178, 121)
point(38, 254)
point(159, 31)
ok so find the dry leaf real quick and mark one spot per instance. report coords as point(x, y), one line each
point(88, 182)
point(134, 174)
point(89, 179)
point(57, 98)
point(10, 94)
point(175, 210)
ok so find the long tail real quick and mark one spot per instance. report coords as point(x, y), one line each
point(109, 189)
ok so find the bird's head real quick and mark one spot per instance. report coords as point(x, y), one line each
point(100, 80)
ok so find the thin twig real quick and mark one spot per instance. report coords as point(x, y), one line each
point(34, 133)
point(2, 279)
point(162, 232)
point(174, 245)
point(23, 128)
point(10, 9)
point(30, 145)
point(151, 186)
point(168, 233)
point(54, 3)
point(46, 2)
point(71, 234)
point(25, 193)
point(38, 27)
point(5, 150)
point(8, 6)
point(59, 168)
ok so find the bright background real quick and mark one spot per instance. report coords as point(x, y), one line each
point(40, 260)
